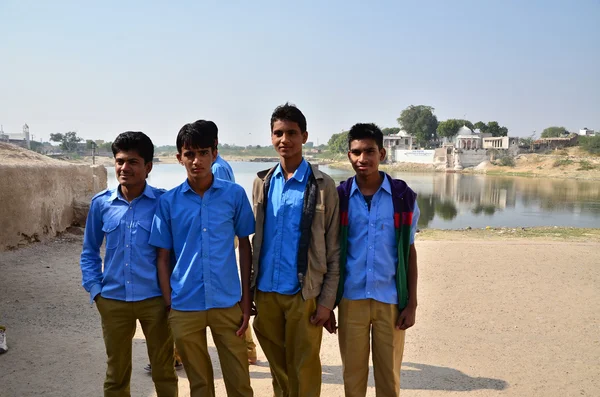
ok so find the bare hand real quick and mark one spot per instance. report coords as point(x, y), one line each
point(331, 325)
point(245, 305)
point(407, 317)
point(320, 316)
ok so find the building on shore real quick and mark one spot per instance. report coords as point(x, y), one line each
point(22, 139)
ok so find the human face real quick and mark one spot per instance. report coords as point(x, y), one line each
point(365, 156)
point(131, 169)
point(287, 139)
point(197, 161)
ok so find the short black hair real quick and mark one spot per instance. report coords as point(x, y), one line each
point(199, 134)
point(289, 112)
point(366, 131)
point(134, 141)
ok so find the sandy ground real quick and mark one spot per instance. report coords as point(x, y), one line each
point(509, 317)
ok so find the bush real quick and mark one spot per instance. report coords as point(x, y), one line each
point(590, 144)
point(585, 166)
point(506, 161)
point(562, 163)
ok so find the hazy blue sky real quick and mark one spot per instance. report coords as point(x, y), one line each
point(155, 65)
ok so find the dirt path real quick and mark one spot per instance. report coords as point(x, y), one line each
point(508, 318)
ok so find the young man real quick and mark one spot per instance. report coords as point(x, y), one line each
point(127, 288)
point(222, 170)
point(378, 267)
point(198, 220)
point(296, 258)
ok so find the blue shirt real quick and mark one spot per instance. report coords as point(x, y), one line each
point(129, 262)
point(372, 249)
point(222, 170)
point(278, 271)
point(201, 230)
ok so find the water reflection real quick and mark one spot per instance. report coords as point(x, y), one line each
point(456, 200)
point(449, 201)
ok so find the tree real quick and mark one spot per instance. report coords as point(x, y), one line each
point(68, 141)
point(420, 122)
point(390, 130)
point(481, 126)
point(495, 129)
point(554, 132)
point(338, 143)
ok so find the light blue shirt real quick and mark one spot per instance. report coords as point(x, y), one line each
point(222, 170)
point(201, 232)
point(129, 262)
point(278, 271)
point(372, 249)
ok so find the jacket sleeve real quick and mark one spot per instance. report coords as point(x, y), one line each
point(332, 245)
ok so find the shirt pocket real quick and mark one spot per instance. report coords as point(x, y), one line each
point(113, 235)
point(142, 232)
point(387, 231)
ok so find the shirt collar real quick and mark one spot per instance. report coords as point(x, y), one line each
point(116, 194)
point(385, 185)
point(217, 184)
point(299, 174)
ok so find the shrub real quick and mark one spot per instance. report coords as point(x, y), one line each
point(506, 161)
point(585, 166)
point(590, 144)
point(562, 162)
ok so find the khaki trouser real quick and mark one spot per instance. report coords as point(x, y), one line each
point(362, 323)
point(290, 342)
point(189, 331)
point(250, 345)
point(118, 327)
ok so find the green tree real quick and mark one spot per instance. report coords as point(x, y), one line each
point(390, 130)
point(448, 128)
point(420, 122)
point(481, 126)
point(495, 129)
point(554, 132)
point(590, 143)
point(68, 141)
point(338, 143)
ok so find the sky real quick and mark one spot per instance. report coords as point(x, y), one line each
point(104, 68)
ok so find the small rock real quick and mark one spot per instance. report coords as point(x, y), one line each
point(468, 228)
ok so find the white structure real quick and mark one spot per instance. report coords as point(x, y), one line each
point(586, 132)
point(467, 139)
point(401, 140)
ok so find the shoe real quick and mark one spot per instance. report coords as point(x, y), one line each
point(3, 347)
point(178, 366)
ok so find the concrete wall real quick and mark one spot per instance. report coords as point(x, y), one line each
point(471, 158)
point(414, 156)
point(42, 198)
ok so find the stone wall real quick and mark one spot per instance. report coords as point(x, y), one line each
point(40, 197)
point(472, 158)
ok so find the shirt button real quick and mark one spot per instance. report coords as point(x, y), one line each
point(128, 282)
point(372, 224)
point(368, 293)
point(204, 229)
point(370, 247)
point(370, 270)
point(127, 247)
point(130, 207)
point(127, 264)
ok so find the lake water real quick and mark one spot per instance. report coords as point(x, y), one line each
point(452, 201)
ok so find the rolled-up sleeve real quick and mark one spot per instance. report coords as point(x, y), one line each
point(161, 235)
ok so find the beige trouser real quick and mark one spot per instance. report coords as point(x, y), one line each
point(250, 345)
point(290, 342)
point(118, 327)
point(189, 331)
point(369, 322)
